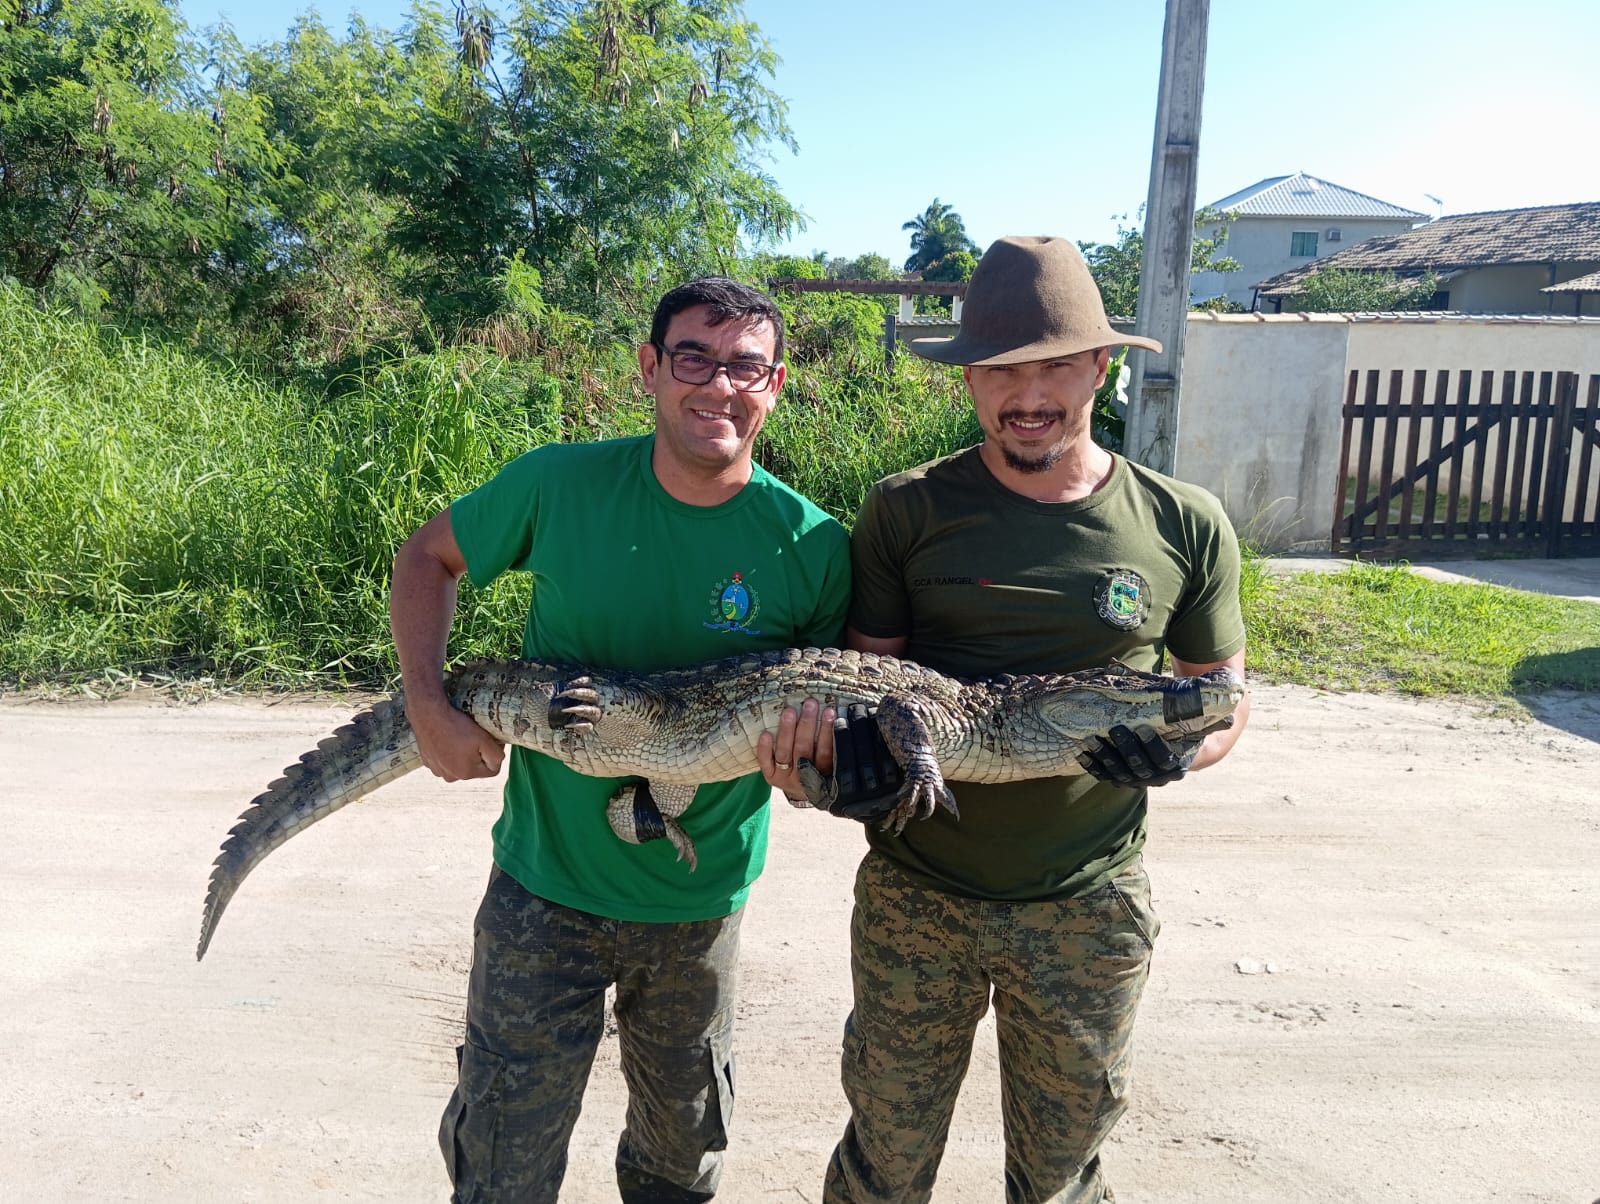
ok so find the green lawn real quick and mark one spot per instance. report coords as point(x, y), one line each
point(1374, 627)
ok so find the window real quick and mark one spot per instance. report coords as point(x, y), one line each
point(1303, 243)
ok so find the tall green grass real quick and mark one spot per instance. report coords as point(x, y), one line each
point(164, 513)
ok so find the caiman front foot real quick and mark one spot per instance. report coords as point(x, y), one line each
point(575, 706)
point(903, 729)
point(923, 792)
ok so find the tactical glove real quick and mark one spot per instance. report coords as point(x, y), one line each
point(866, 777)
point(1138, 757)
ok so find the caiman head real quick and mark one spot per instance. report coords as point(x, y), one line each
point(1081, 705)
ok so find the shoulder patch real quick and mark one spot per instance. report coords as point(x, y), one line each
point(1122, 599)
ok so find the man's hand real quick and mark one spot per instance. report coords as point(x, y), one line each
point(454, 747)
point(804, 735)
point(1139, 756)
point(866, 777)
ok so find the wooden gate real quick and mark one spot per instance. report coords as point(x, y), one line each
point(1498, 463)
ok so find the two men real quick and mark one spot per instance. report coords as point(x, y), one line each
point(646, 553)
point(1035, 551)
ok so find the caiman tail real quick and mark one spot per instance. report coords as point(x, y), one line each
point(377, 746)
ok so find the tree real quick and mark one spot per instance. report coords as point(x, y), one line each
point(344, 192)
point(1115, 266)
point(954, 266)
point(125, 174)
point(862, 267)
point(1338, 290)
point(936, 232)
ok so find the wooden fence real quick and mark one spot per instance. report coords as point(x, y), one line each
point(1468, 463)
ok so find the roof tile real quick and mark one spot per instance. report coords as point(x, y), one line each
point(1547, 234)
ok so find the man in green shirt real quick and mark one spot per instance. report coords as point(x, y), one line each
point(1036, 551)
point(646, 553)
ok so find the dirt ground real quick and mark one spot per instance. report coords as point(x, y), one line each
point(1378, 978)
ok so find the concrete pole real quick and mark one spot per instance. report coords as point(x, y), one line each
point(1152, 429)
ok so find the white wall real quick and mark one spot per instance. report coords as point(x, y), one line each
point(1259, 424)
point(1260, 417)
point(1261, 245)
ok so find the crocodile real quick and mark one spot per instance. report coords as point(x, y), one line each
point(680, 728)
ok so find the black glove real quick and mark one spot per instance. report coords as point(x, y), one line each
point(1138, 758)
point(865, 773)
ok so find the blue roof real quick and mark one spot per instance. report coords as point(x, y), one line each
point(1301, 195)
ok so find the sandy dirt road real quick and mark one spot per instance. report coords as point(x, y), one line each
point(1378, 978)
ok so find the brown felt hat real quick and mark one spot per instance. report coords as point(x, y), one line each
point(1030, 298)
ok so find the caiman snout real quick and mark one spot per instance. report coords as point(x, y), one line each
point(1211, 694)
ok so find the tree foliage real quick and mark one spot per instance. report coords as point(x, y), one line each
point(125, 175)
point(337, 193)
point(1115, 266)
point(862, 267)
point(1339, 290)
point(936, 232)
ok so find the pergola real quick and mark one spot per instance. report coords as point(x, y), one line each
point(907, 290)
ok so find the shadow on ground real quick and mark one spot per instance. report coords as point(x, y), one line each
point(1558, 687)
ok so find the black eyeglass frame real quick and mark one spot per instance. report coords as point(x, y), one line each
point(755, 386)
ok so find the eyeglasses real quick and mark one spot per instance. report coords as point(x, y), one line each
point(692, 368)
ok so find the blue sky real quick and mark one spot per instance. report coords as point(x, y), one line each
point(1036, 116)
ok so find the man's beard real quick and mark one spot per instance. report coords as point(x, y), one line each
point(1040, 461)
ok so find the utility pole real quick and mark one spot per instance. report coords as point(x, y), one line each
point(1152, 430)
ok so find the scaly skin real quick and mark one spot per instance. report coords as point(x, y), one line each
point(680, 728)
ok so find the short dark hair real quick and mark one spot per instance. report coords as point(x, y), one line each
point(726, 299)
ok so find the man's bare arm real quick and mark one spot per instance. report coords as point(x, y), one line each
point(891, 646)
point(1218, 744)
point(422, 607)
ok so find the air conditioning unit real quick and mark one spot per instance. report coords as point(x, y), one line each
point(1334, 234)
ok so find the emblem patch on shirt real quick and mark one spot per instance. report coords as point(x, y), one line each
point(734, 606)
point(1122, 599)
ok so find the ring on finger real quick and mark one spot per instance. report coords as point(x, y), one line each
point(783, 765)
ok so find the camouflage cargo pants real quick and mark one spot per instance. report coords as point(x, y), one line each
point(1065, 978)
point(535, 1016)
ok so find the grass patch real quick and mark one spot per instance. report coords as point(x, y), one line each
point(1381, 627)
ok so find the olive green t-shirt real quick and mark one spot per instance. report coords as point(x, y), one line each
point(626, 576)
point(981, 581)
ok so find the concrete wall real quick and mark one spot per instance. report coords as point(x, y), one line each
point(1260, 424)
point(1261, 245)
point(1513, 289)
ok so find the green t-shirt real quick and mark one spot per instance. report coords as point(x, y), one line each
point(626, 576)
point(982, 580)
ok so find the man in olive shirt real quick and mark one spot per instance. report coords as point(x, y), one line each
point(1036, 551)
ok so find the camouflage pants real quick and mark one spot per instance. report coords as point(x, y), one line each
point(1065, 978)
point(535, 1016)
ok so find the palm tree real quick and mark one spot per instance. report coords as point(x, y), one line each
point(935, 233)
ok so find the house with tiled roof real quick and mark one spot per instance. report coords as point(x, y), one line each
point(1512, 261)
point(1285, 222)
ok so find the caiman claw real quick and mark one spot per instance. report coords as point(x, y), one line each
point(575, 706)
point(923, 792)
